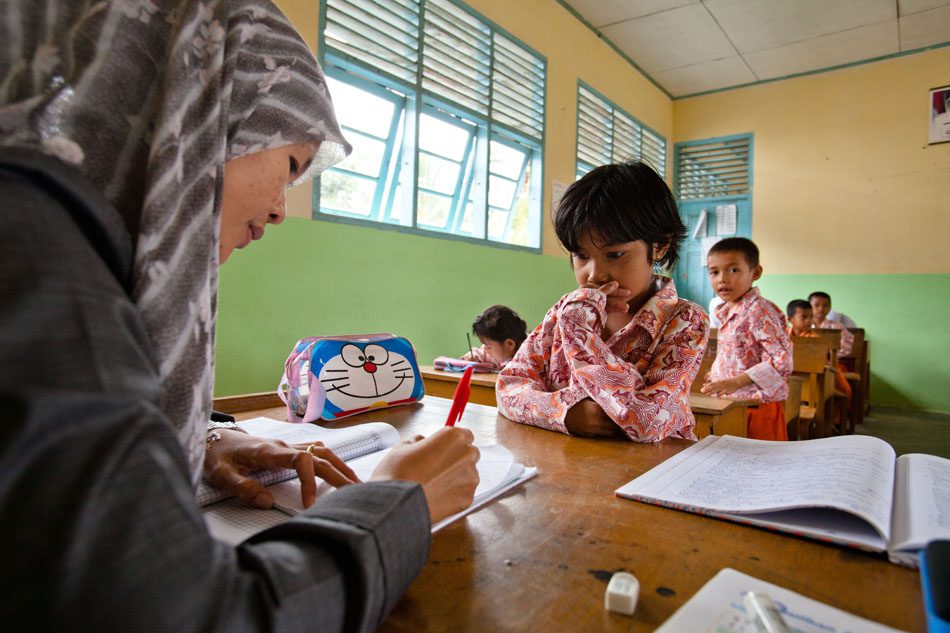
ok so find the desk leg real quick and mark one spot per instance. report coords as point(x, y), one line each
point(705, 424)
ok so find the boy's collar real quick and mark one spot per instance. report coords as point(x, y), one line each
point(726, 310)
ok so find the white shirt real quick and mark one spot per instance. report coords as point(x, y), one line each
point(713, 304)
point(840, 317)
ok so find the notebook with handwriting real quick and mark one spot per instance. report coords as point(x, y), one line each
point(231, 521)
point(848, 490)
point(349, 443)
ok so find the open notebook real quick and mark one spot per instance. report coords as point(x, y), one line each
point(849, 490)
point(232, 521)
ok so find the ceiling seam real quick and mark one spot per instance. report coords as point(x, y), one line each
point(729, 39)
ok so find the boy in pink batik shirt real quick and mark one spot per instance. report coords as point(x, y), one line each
point(753, 349)
point(616, 357)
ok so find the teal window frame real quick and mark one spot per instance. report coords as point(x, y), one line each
point(403, 151)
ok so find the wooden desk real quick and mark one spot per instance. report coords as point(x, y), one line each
point(442, 384)
point(713, 415)
point(718, 416)
point(538, 558)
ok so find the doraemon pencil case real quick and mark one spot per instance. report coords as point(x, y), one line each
point(334, 377)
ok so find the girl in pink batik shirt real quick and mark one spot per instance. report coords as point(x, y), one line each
point(615, 357)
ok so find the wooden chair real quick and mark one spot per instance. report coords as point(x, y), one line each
point(810, 361)
point(794, 419)
point(856, 363)
point(842, 405)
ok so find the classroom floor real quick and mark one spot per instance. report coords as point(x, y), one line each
point(909, 431)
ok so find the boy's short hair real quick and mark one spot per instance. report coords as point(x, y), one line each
point(622, 202)
point(819, 293)
point(795, 305)
point(738, 245)
point(499, 323)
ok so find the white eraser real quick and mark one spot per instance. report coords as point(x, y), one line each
point(622, 593)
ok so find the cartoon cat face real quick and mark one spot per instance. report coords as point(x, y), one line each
point(363, 376)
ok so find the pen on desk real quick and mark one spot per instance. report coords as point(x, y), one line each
point(765, 613)
point(460, 399)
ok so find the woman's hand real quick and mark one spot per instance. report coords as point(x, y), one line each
point(587, 419)
point(236, 454)
point(617, 297)
point(444, 463)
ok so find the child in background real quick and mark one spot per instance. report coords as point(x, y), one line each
point(821, 302)
point(501, 332)
point(821, 306)
point(615, 357)
point(801, 323)
point(754, 352)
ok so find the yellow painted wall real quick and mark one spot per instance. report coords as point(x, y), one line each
point(845, 182)
point(572, 52)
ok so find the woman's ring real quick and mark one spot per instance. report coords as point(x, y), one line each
point(311, 448)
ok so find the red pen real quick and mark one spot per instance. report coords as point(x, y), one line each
point(460, 399)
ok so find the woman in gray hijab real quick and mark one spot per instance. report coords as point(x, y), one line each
point(141, 142)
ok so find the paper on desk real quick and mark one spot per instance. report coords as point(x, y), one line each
point(718, 608)
point(497, 470)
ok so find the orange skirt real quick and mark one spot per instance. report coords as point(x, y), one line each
point(841, 383)
point(767, 422)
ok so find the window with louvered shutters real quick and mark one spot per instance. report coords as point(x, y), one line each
point(713, 169)
point(474, 97)
point(607, 134)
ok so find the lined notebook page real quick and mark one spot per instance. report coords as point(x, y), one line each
point(733, 475)
point(922, 503)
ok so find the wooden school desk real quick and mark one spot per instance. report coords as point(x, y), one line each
point(442, 384)
point(538, 558)
point(713, 415)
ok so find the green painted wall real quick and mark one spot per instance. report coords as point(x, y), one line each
point(311, 278)
point(905, 317)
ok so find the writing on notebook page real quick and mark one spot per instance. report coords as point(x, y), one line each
point(784, 479)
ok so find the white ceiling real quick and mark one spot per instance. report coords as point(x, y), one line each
point(693, 46)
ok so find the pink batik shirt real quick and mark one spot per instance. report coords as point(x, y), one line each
point(640, 377)
point(753, 340)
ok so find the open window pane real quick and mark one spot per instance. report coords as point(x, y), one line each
point(505, 161)
point(350, 194)
point(438, 174)
point(360, 109)
point(501, 192)
point(367, 156)
point(433, 210)
point(442, 138)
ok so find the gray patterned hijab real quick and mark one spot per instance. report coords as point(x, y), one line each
point(149, 98)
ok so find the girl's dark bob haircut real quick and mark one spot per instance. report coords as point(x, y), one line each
point(622, 202)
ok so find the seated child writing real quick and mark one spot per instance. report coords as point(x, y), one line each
point(801, 323)
point(501, 332)
point(754, 352)
point(821, 309)
point(615, 357)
